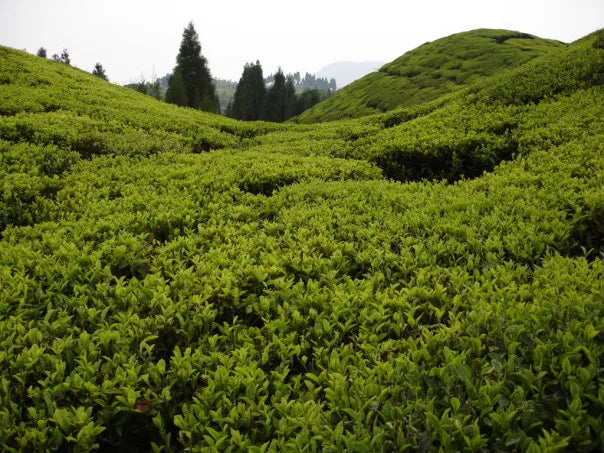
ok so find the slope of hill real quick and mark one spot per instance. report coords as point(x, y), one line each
point(431, 70)
point(346, 72)
point(427, 278)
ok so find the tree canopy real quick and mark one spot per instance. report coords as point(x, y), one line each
point(276, 105)
point(192, 66)
point(253, 101)
point(63, 58)
point(249, 96)
point(99, 71)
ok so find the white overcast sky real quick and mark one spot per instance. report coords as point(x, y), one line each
point(135, 37)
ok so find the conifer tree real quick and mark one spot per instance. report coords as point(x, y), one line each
point(274, 106)
point(289, 107)
point(99, 71)
point(249, 95)
point(176, 93)
point(41, 52)
point(192, 65)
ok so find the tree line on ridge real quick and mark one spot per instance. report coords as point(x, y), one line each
point(255, 97)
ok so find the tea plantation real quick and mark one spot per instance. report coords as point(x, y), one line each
point(430, 71)
point(426, 279)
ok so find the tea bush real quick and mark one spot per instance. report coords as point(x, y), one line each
point(430, 71)
point(430, 278)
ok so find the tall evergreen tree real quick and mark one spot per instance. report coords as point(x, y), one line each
point(41, 52)
point(289, 107)
point(274, 106)
point(192, 66)
point(177, 93)
point(99, 71)
point(249, 95)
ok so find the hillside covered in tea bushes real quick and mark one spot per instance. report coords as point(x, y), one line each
point(427, 279)
point(430, 71)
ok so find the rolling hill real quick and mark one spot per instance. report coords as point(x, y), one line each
point(430, 71)
point(429, 278)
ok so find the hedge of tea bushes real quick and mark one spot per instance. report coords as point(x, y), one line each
point(430, 71)
point(563, 71)
point(329, 315)
point(44, 98)
point(273, 291)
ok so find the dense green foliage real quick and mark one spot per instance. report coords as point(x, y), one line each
point(99, 71)
point(280, 100)
point(430, 71)
point(253, 102)
point(192, 74)
point(174, 280)
point(249, 98)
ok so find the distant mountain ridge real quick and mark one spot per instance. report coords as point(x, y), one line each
point(430, 71)
point(346, 72)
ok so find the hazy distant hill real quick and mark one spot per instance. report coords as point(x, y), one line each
point(431, 70)
point(225, 90)
point(346, 72)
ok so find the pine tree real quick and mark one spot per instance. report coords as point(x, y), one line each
point(249, 95)
point(41, 52)
point(199, 88)
point(280, 103)
point(99, 71)
point(289, 103)
point(177, 93)
point(274, 106)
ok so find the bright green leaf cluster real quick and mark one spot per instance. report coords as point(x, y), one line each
point(428, 279)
